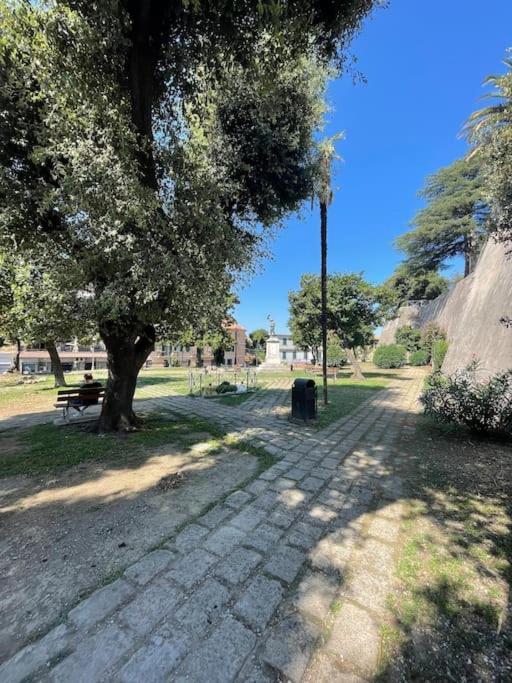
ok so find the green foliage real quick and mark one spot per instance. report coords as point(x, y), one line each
point(352, 311)
point(439, 348)
point(452, 222)
point(409, 337)
point(305, 314)
point(420, 357)
point(430, 333)
point(490, 131)
point(41, 306)
point(483, 406)
point(154, 186)
point(336, 354)
point(258, 338)
point(389, 356)
point(225, 387)
point(410, 284)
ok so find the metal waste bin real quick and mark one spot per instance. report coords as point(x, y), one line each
point(304, 399)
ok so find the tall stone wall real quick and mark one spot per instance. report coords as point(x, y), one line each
point(470, 314)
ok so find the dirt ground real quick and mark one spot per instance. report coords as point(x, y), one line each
point(63, 535)
point(452, 619)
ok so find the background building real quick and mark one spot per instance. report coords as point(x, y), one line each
point(34, 358)
point(290, 353)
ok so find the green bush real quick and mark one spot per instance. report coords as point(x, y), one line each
point(389, 356)
point(225, 387)
point(430, 333)
point(336, 356)
point(408, 337)
point(483, 406)
point(419, 357)
point(439, 349)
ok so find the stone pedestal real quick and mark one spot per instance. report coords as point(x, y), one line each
point(272, 355)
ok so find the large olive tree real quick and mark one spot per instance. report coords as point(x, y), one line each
point(150, 143)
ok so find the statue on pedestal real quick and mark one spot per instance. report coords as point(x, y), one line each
point(272, 354)
point(272, 326)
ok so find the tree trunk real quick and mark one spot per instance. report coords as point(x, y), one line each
point(199, 357)
point(323, 278)
point(126, 354)
point(357, 373)
point(470, 255)
point(467, 258)
point(57, 370)
point(15, 364)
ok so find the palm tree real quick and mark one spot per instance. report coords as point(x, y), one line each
point(489, 130)
point(326, 156)
point(496, 115)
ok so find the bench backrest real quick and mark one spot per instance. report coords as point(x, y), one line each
point(80, 392)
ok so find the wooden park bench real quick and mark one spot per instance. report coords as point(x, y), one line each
point(78, 399)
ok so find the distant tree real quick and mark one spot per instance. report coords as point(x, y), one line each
point(453, 221)
point(219, 341)
point(352, 312)
point(258, 338)
point(336, 354)
point(11, 318)
point(306, 315)
point(430, 334)
point(490, 131)
point(408, 337)
point(409, 284)
point(42, 307)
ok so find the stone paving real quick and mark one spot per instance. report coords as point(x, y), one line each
point(275, 399)
point(284, 579)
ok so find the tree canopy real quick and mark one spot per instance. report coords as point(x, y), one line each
point(409, 284)
point(305, 306)
point(258, 338)
point(148, 143)
point(453, 221)
point(352, 310)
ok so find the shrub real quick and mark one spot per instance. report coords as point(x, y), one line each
point(430, 333)
point(389, 356)
point(419, 357)
point(483, 406)
point(439, 349)
point(336, 356)
point(225, 387)
point(408, 337)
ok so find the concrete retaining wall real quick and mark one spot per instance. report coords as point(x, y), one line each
point(470, 314)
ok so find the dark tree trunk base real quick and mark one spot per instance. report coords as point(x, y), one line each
point(126, 355)
point(357, 373)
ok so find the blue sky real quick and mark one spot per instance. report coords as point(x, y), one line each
point(424, 61)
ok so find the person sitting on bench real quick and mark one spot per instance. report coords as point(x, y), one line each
point(88, 397)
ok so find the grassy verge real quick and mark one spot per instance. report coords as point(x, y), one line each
point(345, 395)
point(47, 448)
point(454, 569)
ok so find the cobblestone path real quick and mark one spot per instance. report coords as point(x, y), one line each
point(274, 399)
point(285, 579)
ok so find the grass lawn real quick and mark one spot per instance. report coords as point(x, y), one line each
point(454, 570)
point(48, 448)
point(345, 395)
point(41, 394)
